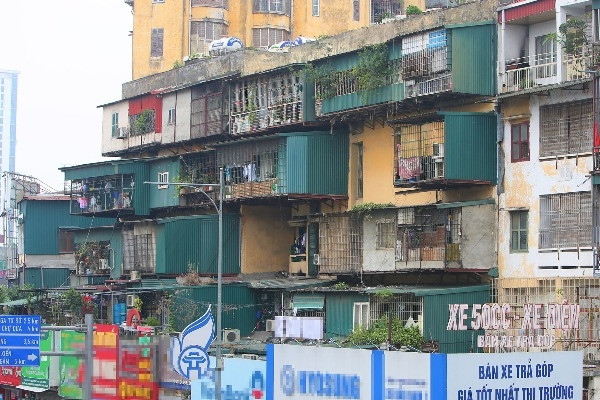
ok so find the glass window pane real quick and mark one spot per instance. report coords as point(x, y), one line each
point(514, 241)
point(524, 132)
point(515, 151)
point(524, 149)
point(523, 241)
point(514, 222)
point(523, 220)
point(515, 133)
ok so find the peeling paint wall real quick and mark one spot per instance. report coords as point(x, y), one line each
point(109, 144)
point(181, 102)
point(478, 241)
point(377, 259)
point(526, 181)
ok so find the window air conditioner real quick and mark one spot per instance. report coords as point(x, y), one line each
point(131, 300)
point(250, 356)
point(231, 335)
point(270, 325)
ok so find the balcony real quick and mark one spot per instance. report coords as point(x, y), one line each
point(426, 157)
point(103, 195)
point(425, 64)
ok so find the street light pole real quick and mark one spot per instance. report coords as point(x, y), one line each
point(219, 209)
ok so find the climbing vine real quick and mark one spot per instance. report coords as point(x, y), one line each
point(373, 67)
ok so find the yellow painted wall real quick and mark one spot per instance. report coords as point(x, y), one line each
point(266, 238)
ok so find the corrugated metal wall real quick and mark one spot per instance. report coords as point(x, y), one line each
point(194, 240)
point(473, 50)
point(436, 314)
point(380, 95)
point(46, 278)
point(470, 146)
point(166, 197)
point(317, 163)
point(42, 218)
point(115, 237)
point(340, 308)
point(238, 301)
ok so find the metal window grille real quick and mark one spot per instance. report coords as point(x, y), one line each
point(138, 252)
point(211, 3)
point(265, 102)
point(429, 234)
point(426, 62)
point(566, 128)
point(265, 37)
point(207, 111)
point(340, 244)
point(419, 152)
point(402, 306)
point(253, 169)
point(565, 220)
point(583, 291)
point(142, 123)
point(204, 32)
point(102, 193)
point(156, 42)
point(381, 9)
point(271, 6)
point(386, 234)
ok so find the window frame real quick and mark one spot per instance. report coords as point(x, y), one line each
point(360, 170)
point(317, 4)
point(157, 1)
point(217, 30)
point(163, 177)
point(386, 233)
point(362, 314)
point(520, 142)
point(265, 32)
point(356, 10)
point(157, 42)
point(565, 220)
point(519, 231)
point(566, 128)
point(171, 116)
point(66, 237)
point(115, 124)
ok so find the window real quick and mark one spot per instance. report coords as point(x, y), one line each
point(115, 124)
point(66, 241)
point(381, 9)
point(518, 231)
point(565, 220)
point(265, 37)
point(210, 3)
point(520, 142)
point(206, 110)
point(356, 10)
point(566, 128)
point(359, 172)
point(163, 177)
point(386, 234)
point(545, 57)
point(360, 315)
point(204, 32)
point(272, 6)
point(158, 1)
point(171, 117)
point(315, 8)
point(156, 42)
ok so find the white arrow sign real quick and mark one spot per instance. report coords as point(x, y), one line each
point(32, 357)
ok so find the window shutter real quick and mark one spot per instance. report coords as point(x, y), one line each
point(156, 42)
point(356, 10)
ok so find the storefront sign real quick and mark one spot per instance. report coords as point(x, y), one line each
point(10, 376)
point(321, 373)
point(240, 379)
point(494, 316)
point(71, 367)
point(527, 376)
point(137, 369)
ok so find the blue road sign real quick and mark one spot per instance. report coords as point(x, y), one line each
point(20, 340)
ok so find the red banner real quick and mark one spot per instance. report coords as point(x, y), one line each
point(10, 376)
point(106, 362)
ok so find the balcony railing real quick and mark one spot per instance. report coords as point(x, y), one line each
point(439, 84)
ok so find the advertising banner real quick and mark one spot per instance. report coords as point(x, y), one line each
point(106, 357)
point(71, 367)
point(38, 377)
point(138, 378)
point(10, 376)
point(240, 379)
point(527, 376)
point(300, 372)
point(413, 375)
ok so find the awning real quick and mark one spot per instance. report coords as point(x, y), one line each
point(32, 388)
point(312, 301)
point(19, 302)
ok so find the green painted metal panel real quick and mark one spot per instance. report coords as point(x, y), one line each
point(340, 308)
point(308, 101)
point(112, 235)
point(595, 4)
point(470, 146)
point(474, 59)
point(310, 301)
point(317, 163)
point(163, 197)
point(46, 278)
point(41, 220)
point(239, 306)
point(327, 167)
point(596, 178)
point(435, 319)
point(380, 95)
point(181, 242)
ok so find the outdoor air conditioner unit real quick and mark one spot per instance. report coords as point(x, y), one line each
point(131, 300)
point(250, 356)
point(316, 259)
point(104, 263)
point(231, 335)
point(270, 325)
point(121, 133)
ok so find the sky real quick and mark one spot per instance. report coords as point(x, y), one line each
point(71, 55)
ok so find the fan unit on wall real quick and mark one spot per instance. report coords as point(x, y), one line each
point(231, 335)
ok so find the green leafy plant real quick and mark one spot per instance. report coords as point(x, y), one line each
point(152, 321)
point(341, 286)
point(413, 10)
point(138, 303)
point(177, 64)
point(144, 122)
point(384, 294)
point(325, 78)
point(377, 333)
point(364, 210)
point(373, 68)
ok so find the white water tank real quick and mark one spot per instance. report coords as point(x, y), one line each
point(225, 45)
point(280, 47)
point(302, 40)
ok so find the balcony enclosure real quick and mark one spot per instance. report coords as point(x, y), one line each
point(101, 194)
point(419, 152)
point(426, 63)
point(265, 102)
point(381, 9)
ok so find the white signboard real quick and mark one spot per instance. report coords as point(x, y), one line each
point(240, 379)
point(518, 376)
point(299, 327)
point(407, 375)
point(303, 372)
